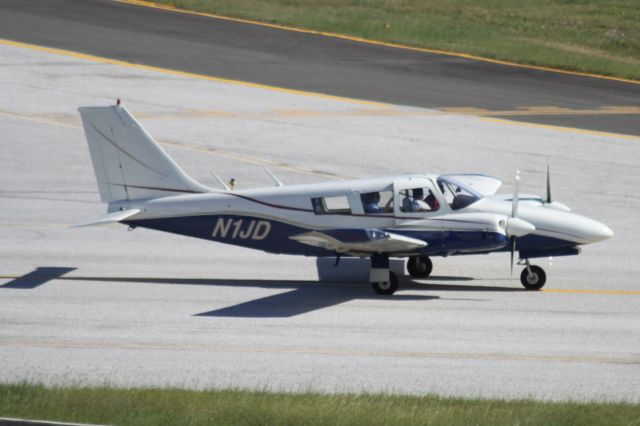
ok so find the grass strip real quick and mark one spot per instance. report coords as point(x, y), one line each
point(591, 36)
point(104, 405)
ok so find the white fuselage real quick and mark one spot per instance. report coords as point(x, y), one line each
point(235, 216)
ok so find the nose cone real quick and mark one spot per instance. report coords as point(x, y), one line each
point(571, 227)
point(588, 230)
point(597, 232)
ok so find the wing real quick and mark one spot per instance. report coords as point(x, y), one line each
point(359, 241)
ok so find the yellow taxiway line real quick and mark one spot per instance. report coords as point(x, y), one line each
point(559, 128)
point(549, 110)
point(551, 290)
point(184, 73)
point(611, 292)
point(379, 105)
point(373, 42)
point(251, 159)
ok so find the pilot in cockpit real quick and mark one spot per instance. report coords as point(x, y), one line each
point(418, 204)
point(370, 202)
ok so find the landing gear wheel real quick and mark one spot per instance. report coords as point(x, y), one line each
point(419, 266)
point(386, 287)
point(534, 280)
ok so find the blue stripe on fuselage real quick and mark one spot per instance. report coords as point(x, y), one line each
point(456, 242)
point(247, 231)
point(273, 236)
point(533, 245)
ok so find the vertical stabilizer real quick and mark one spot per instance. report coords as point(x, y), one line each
point(128, 162)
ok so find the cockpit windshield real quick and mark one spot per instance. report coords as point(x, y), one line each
point(457, 195)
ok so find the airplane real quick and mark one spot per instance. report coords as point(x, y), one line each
point(414, 216)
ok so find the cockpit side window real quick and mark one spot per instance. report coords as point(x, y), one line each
point(457, 195)
point(379, 202)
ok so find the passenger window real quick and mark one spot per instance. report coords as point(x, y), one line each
point(417, 200)
point(331, 205)
point(379, 202)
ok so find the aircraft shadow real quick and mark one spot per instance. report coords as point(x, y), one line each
point(447, 278)
point(302, 297)
point(37, 277)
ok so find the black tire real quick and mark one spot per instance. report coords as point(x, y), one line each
point(387, 288)
point(536, 280)
point(419, 266)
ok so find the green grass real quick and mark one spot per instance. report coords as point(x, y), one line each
point(593, 36)
point(183, 407)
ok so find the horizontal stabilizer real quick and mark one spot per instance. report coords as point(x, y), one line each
point(113, 217)
point(359, 241)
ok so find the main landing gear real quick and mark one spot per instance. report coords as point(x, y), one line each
point(533, 277)
point(382, 280)
point(385, 282)
point(419, 266)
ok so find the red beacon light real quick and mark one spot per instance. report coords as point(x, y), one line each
point(118, 102)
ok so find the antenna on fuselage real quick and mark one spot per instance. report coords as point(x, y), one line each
point(226, 187)
point(275, 179)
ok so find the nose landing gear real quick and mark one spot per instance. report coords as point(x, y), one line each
point(533, 277)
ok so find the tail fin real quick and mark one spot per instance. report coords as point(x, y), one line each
point(128, 163)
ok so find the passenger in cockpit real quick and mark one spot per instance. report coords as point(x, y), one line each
point(432, 201)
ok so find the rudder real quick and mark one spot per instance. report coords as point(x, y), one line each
point(128, 162)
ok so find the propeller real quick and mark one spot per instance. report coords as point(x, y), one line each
point(514, 212)
point(513, 250)
point(548, 183)
point(548, 202)
point(516, 195)
point(516, 227)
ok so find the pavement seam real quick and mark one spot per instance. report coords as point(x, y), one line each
point(558, 128)
point(326, 352)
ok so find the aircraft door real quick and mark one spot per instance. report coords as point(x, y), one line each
point(416, 206)
point(416, 198)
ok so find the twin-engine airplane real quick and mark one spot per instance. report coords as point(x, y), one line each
point(411, 216)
